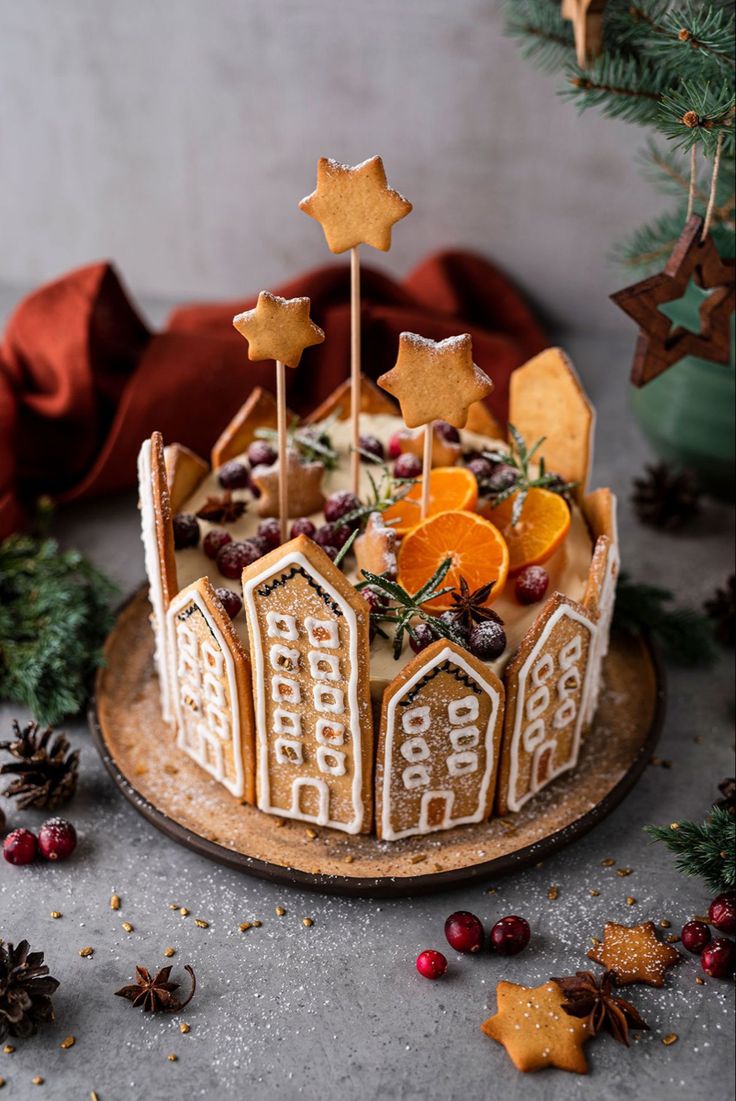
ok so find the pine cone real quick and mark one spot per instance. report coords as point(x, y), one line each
point(721, 608)
point(45, 775)
point(727, 789)
point(665, 498)
point(25, 990)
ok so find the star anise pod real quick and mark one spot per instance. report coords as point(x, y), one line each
point(666, 498)
point(597, 1004)
point(156, 995)
point(44, 771)
point(222, 509)
point(470, 606)
point(721, 608)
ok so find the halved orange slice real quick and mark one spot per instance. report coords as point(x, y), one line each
point(476, 547)
point(544, 523)
point(450, 488)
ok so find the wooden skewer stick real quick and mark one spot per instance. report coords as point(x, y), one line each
point(427, 467)
point(282, 448)
point(355, 365)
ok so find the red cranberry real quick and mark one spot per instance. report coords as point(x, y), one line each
point(234, 557)
point(431, 964)
point(487, 640)
point(531, 584)
point(333, 535)
point(372, 446)
point(331, 552)
point(57, 839)
point(455, 620)
point(20, 847)
point(718, 959)
point(464, 932)
point(230, 601)
point(722, 912)
point(447, 431)
point(234, 475)
point(261, 453)
point(302, 526)
point(373, 598)
point(695, 935)
point(394, 445)
point(339, 504)
point(186, 530)
point(481, 468)
point(270, 531)
point(510, 935)
point(214, 541)
point(422, 637)
point(407, 466)
point(503, 477)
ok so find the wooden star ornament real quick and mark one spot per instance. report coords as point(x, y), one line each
point(355, 205)
point(535, 1030)
point(635, 953)
point(661, 344)
point(433, 380)
point(586, 17)
point(278, 328)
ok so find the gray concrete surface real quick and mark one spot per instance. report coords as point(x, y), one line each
point(336, 1012)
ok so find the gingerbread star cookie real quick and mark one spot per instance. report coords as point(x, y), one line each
point(435, 380)
point(278, 328)
point(304, 487)
point(535, 1030)
point(355, 206)
point(635, 953)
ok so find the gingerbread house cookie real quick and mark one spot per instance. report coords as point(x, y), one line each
point(184, 472)
point(372, 401)
point(600, 592)
point(258, 411)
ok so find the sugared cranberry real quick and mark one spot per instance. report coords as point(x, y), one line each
point(302, 526)
point(718, 959)
point(331, 552)
point(407, 466)
point(503, 477)
point(234, 557)
point(431, 964)
point(510, 935)
point(20, 847)
point(455, 620)
point(694, 936)
point(373, 598)
point(214, 541)
point(332, 535)
point(531, 584)
point(230, 601)
point(487, 640)
point(481, 468)
point(270, 531)
point(372, 446)
point(447, 431)
point(261, 453)
point(186, 530)
point(234, 475)
point(339, 504)
point(57, 839)
point(722, 912)
point(394, 445)
point(464, 932)
point(422, 637)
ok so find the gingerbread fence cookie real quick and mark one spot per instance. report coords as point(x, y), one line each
point(372, 402)
point(435, 378)
point(304, 486)
point(535, 1030)
point(635, 953)
point(213, 702)
point(184, 472)
point(354, 205)
point(438, 743)
point(309, 647)
point(547, 688)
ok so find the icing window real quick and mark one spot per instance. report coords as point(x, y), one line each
point(415, 720)
point(322, 632)
point(331, 761)
point(537, 703)
point(287, 722)
point(533, 735)
point(569, 682)
point(571, 653)
point(213, 659)
point(282, 626)
point(565, 714)
point(414, 749)
point(329, 699)
point(283, 657)
point(288, 752)
point(329, 733)
point(323, 666)
point(415, 776)
point(543, 670)
point(460, 763)
point(466, 738)
point(462, 711)
point(285, 690)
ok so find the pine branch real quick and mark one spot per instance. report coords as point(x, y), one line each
point(695, 114)
point(622, 87)
point(705, 850)
point(544, 36)
point(697, 28)
point(685, 636)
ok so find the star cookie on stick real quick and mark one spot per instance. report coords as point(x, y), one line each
point(635, 953)
point(535, 1030)
point(278, 328)
point(355, 206)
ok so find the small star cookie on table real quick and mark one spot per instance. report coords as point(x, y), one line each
point(535, 1030)
point(635, 953)
point(435, 379)
point(304, 486)
point(355, 205)
point(278, 328)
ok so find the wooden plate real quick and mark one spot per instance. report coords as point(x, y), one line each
point(185, 803)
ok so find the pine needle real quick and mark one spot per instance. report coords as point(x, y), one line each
point(685, 636)
point(706, 850)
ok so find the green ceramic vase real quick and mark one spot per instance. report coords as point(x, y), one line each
point(688, 413)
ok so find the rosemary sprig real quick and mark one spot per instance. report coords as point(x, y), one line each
point(385, 492)
point(312, 441)
point(519, 458)
point(403, 607)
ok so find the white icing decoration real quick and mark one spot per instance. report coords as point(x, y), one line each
point(282, 626)
point(460, 763)
point(463, 711)
point(161, 653)
point(324, 666)
point(606, 601)
point(467, 737)
point(288, 751)
point(283, 657)
point(328, 732)
point(285, 690)
point(322, 817)
point(331, 761)
point(328, 699)
point(322, 633)
point(414, 749)
point(287, 722)
point(415, 720)
point(415, 776)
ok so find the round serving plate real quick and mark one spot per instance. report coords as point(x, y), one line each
point(186, 804)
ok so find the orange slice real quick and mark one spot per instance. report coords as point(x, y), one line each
point(450, 488)
point(544, 523)
point(476, 547)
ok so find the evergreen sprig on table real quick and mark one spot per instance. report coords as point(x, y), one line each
point(706, 850)
point(54, 616)
point(684, 635)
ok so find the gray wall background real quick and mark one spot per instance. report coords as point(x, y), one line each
point(177, 136)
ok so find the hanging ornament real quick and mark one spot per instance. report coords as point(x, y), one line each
point(586, 17)
point(661, 344)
